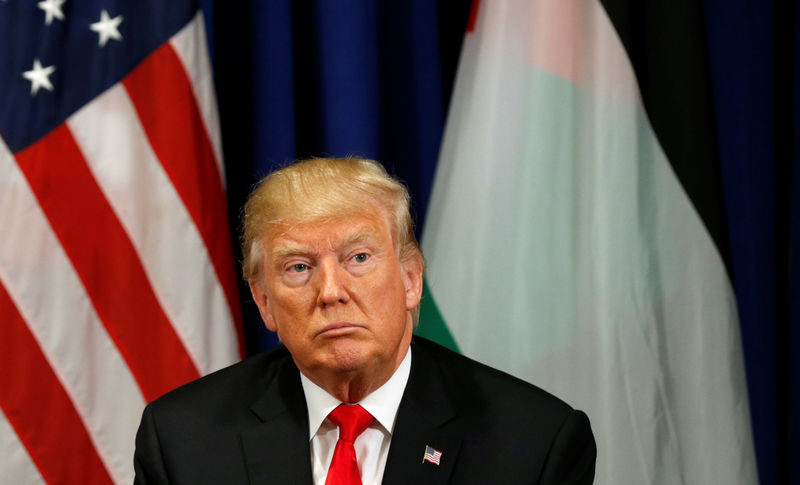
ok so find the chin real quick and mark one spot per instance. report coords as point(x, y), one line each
point(347, 356)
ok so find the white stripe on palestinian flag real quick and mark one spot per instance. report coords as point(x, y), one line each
point(190, 45)
point(562, 249)
point(173, 254)
point(44, 287)
point(16, 466)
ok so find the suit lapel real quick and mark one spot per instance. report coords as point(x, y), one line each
point(424, 411)
point(277, 450)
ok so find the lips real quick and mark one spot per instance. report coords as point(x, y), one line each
point(335, 329)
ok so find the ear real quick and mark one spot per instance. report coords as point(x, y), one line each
point(262, 302)
point(412, 279)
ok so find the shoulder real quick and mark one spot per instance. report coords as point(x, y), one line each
point(483, 386)
point(511, 431)
point(227, 389)
point(193, 434)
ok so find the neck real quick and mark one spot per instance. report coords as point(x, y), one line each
point(353, 391)
point(353, 386)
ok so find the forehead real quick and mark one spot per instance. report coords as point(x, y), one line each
point(329, 232)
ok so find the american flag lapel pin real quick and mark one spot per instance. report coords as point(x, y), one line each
point(432, 455)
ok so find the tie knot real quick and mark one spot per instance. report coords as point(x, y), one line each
point(351, 419)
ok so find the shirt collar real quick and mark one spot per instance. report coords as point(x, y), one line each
point(382, 403)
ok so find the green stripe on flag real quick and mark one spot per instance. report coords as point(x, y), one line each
point(431, 324)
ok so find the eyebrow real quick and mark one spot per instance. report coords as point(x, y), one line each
point(289, 250)
point(358, 237)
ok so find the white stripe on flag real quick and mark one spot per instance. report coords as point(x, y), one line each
point(50, 297)
point(168, 243)
point(190, 46)
point(16, 466)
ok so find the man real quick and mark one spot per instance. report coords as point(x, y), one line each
point(351, 397)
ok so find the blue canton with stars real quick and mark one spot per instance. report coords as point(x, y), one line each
point(57, 55)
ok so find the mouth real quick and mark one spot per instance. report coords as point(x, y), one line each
point(336, 329)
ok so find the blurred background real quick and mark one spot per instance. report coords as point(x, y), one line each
point(607, 193)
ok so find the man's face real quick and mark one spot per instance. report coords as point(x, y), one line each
point(338, 295)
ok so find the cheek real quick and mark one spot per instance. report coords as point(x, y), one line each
point(391, 295)
point(381, 287)
point(289, 306)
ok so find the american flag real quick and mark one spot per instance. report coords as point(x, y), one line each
point(117, 279)
point(432, 455)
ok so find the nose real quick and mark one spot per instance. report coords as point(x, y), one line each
point(332, 283)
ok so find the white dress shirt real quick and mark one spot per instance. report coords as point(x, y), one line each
point(372, 446)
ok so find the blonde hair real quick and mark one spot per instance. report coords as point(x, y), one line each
point(323, 187)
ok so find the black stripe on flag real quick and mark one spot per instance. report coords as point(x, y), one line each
point(667, 46)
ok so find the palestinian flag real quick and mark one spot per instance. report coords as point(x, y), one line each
point(575, 236)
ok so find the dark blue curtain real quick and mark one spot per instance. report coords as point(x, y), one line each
point(753, 50)
point(303, 78)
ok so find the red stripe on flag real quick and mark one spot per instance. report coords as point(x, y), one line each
point(106, 262)
point(162, 95)
point(473, 15)
point(40, 411)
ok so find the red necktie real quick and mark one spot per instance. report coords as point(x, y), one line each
point(352, 420)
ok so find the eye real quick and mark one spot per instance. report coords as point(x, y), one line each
point(299, 267)
point(360, 257)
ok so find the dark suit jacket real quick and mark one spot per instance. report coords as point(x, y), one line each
point(248, 424)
